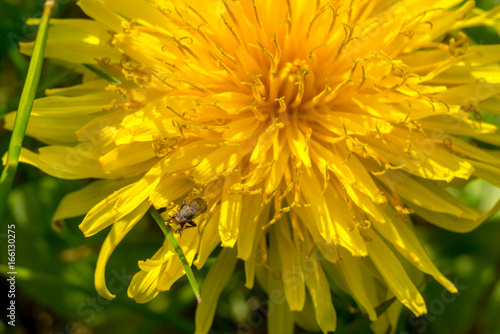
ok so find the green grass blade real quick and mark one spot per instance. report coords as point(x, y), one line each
point(101, 74)
point(25, 106)
point(171, 238)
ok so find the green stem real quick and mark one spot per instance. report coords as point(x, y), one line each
point(171, 238)
point(24, 110)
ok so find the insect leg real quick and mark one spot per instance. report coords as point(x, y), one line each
point(190, 222)
point(185, 227)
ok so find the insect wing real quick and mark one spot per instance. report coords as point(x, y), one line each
point(198, 206)
point(193, 209)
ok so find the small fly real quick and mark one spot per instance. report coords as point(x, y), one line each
point(187, 213)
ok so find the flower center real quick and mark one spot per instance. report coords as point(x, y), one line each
point(291, 80)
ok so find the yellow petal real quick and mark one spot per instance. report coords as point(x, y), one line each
point(291, 266)
point(320, 294)
point(143, 124)
point(424, 158)
point(188, 155)
point(129, 160)
point(141, 190)
point(394, 274)
point(120, 203)
point(281, 154)
point(76, 41)
point(214, 164)
point(209, 240)
point(406, 242)
point(64, 162)
point(249, 274)
point(101, 130)
point(51, 129)
point(255, 256)
point(469, 94)
point(298, 143)
point(241, 130)
point(230, 216)
point(462, 127)
point(264, 143)
point(216, 280)
point(81, 201)
point(144, 284)
point(352, 269)
point(249, 225)
point(365, 203)
point(169, 189)
point(487, 172)
point(350, 172)
point(331, 214)
point(446, 221)
point(356, 124)
point(474, 152)
point(100, 12)
point(280, 319)
point(96, 86)
point(102, 215)
point(174, 268)
point(490, 106)
point(115, 236)
point(430, 196)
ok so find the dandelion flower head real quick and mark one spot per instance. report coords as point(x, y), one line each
point(312, 129)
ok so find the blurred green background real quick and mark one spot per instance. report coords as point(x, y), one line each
point(55, 291)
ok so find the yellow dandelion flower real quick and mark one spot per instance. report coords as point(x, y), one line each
point(311, 128)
